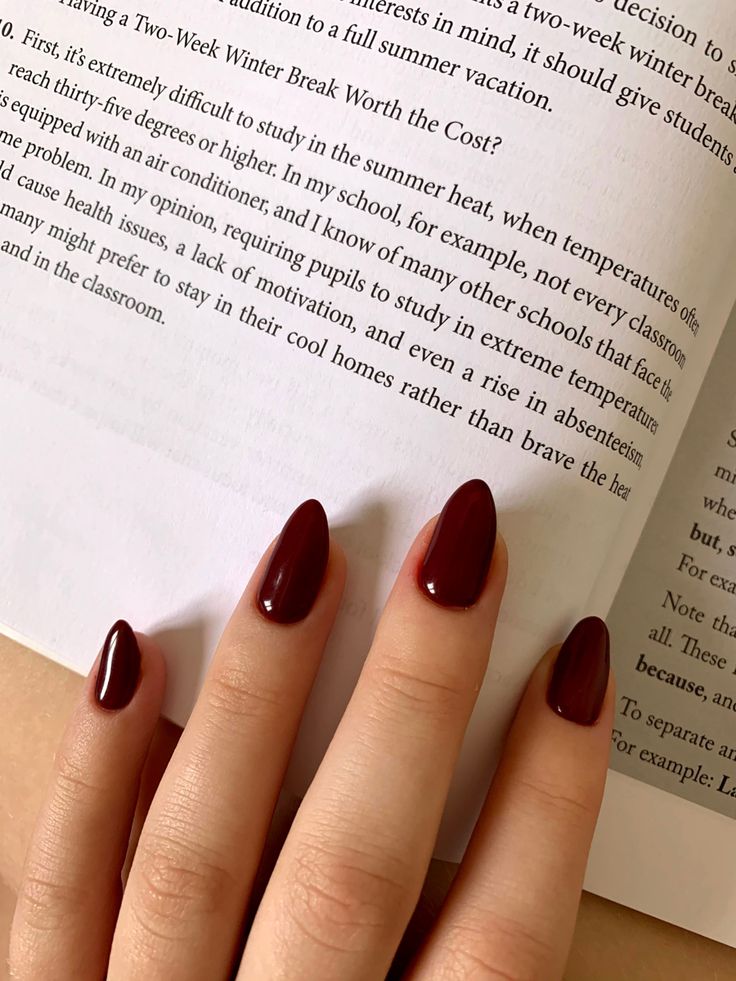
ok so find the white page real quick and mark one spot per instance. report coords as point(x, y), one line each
point(675, 618)
point(150, 458)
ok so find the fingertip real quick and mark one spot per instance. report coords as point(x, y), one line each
point(579, 695)
point(608, 710)
point(494, 584)
point(130, 668)
point(499, 572)
point(337, 563)
point(153, 662)
point(291, 590)
point(579, 681)
point(454, 570)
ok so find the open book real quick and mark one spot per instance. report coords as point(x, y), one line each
point(254, 251)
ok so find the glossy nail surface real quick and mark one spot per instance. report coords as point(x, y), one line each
point(580, 676)
point(459, 556)
point(297, 567)
point(120, 668)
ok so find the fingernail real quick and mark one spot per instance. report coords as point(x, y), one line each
point(120, 668)
point(297, 567)
point(459, 556)
point(580, 676)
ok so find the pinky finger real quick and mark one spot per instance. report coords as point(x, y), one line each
point(512, 909)
point(71, 886)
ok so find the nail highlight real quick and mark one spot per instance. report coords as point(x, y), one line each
point(459, 556)
point(580, 676)
point(120, 668)
point(292, 581)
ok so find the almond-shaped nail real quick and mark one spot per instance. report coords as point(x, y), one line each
point(120, 668)
point(580, 676)
point(459, 556)
point(295, 572)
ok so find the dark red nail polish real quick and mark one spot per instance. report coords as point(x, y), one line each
point(294, 575)
point(120, 668)
point(580, 676)
point(459, 556)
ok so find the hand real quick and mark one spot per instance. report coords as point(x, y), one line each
point(350, 872)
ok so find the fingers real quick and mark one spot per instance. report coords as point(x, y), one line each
point(351, 870)
point(352, 867)
point(70, 890)
point(512, 909)
point(200, 847)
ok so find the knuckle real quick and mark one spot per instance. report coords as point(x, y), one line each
point(410, 687)
point(568, 805)
point(177, 882)
point(72, 783)
point(45, 901)
point(492, 947)
point(235, 695)
point(341, 898)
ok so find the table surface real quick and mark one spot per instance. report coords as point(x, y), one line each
point(611, 942)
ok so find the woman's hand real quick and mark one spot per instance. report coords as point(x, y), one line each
point(351, 870)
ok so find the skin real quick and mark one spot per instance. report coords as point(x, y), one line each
point(36, 700)
point(352, 868)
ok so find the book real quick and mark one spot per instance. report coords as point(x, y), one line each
point(257, 251)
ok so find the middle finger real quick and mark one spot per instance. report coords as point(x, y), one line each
point(351, 871)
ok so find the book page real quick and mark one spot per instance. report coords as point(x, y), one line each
point(674, 627)
point(254, 252)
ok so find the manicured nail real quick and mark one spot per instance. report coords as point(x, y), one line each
point(120, 668)
point(459, 556)
point(294, 575)
point(580, 676)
